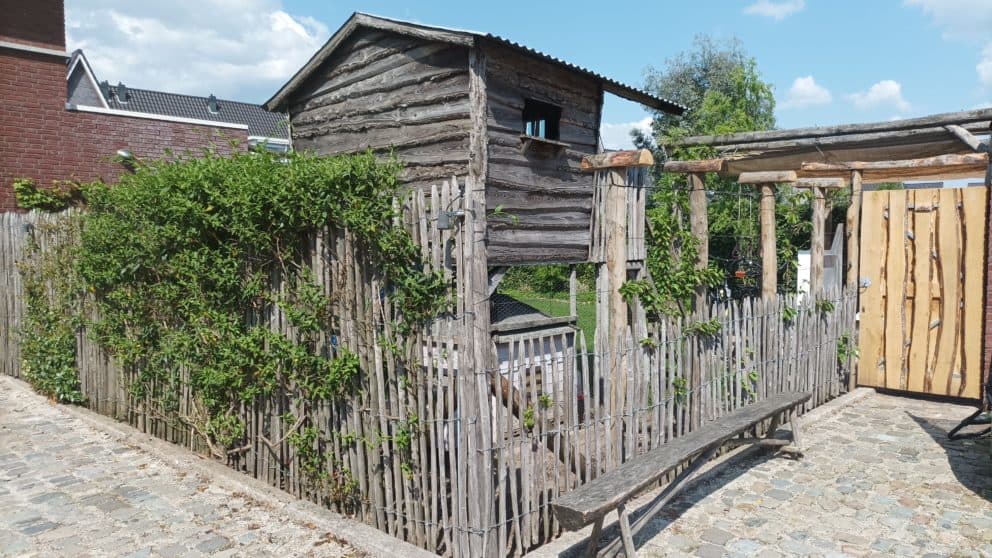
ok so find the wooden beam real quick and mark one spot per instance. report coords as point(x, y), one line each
point(941, 161)
point(873, 139)
point(794, 158)
point(699, 225)
point(616, 159)
point(701, 165)
point(828, 183)
point(967, 138)
point(766, 177)
point(817, 240)
point(769, 257)
point(943, 167)
point(972, 118)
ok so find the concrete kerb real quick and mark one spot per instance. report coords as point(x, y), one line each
point(362, 537)
point(573, 543)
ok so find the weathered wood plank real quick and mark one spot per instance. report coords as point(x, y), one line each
point(973, 221)
point(895, 266)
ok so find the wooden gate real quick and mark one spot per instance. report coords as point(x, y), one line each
point(923, 252)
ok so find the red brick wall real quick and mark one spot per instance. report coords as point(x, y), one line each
point(41, 140)
point(37, 23)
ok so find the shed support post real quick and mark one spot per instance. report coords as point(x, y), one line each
point(699, 224)
point(769, 257)
point(473, 382)
point(816, 243)
point(616, 270)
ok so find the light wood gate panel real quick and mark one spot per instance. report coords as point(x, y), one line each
point(923, 253)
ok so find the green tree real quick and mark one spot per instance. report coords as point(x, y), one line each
point(725, 93)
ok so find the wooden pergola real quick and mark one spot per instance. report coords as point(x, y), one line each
point(942, 146)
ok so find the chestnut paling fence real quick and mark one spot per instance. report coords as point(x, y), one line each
point(551, 415)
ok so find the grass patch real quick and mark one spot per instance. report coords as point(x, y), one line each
point(556, 304)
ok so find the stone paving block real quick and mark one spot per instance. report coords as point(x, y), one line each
point(71, 490)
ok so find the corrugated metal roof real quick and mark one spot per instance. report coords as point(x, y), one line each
point(610, 84)
point(260, 121)
point(463, 36)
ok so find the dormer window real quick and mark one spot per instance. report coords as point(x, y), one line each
point(541, 120)
point(123, 95)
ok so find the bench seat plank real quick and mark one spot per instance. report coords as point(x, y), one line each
point(603, 494)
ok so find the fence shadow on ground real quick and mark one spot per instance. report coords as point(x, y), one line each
point(726, 470)
point(968, 457)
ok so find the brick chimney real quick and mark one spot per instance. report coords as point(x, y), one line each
point(36, 23)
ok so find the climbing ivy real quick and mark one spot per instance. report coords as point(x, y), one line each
point(53, 311)
point(183, 260)
point(61, 195)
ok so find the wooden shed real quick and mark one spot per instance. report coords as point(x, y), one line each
point(483, 109)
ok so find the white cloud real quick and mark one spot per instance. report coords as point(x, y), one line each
point(963, 20)
point(960, 19)
point(886, 93)
point(236, 49)
point(984, 67)
point(775, 10)
point(805, 92)
point(617, 136)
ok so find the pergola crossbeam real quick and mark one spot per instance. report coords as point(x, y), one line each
point(974, 120)
point(825, 183)
point(767, 177)
point(699, 165)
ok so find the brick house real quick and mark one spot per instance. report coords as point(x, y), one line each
point(47, 137)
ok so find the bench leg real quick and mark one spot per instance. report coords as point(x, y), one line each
point(796, 432)
point(772, 427)
point(597, 530)
point(625, 534)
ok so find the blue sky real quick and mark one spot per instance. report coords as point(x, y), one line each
point(830, 62)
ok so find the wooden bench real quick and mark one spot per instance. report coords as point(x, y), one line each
point(611, 491)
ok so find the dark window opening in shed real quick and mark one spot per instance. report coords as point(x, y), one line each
point(541, 119)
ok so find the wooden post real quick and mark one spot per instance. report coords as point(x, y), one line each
point(816, 243)
point(853, 230)
point(769, 257)
point(573, 288)
point(616, 270)
point(480, 359)
point(699, 225)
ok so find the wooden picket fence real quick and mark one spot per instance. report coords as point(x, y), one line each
point(558, 416)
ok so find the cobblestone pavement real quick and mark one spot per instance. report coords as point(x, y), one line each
point(879, 478)
point(69, 489)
